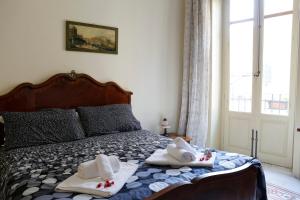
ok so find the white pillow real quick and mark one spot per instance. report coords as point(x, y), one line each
point(1, 120)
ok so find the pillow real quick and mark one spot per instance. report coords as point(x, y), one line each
point(107, 119)
point(24, 129)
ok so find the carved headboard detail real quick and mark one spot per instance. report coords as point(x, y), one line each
point(65, 90)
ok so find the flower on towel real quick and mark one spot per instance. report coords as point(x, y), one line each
point(99, 185)
point(207, 155)
point(108, 183)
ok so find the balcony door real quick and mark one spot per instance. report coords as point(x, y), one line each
point(260, 78)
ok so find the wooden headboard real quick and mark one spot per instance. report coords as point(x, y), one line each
point(65, 90)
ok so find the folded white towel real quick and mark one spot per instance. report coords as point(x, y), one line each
point(114, 163)
point(89, 169)
point(89, 186)
point(162, 157)
point(104, 167)
point(181, 155)
point(182, 144)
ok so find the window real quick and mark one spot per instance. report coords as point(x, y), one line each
point(241, 54)
point(277, 44)
point(260, 35)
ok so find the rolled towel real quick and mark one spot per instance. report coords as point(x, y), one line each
point(88, 170)
point(182, 144)
point(181, 155)
point(104, 167)
point(114, 163)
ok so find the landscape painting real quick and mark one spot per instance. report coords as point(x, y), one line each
point(91, 38)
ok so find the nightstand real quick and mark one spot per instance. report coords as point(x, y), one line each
point(174, 135)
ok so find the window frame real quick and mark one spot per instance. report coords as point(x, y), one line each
point(258, 20)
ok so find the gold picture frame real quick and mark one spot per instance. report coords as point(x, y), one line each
point(91, 38)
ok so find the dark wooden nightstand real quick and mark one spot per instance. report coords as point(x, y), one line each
point(174, 135)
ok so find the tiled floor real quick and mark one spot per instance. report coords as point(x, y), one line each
point(282, 177)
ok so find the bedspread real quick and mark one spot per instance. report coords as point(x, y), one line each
point(34, 172)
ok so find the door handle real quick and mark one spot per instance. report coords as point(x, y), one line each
point(257, 74)
point(256, 140)
point(252, 142)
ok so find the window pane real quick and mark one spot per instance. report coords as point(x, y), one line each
point(276, 65)
point(276, 6)
point(241, 51)
point(241, 9)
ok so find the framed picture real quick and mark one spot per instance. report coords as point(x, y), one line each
point(91, 38)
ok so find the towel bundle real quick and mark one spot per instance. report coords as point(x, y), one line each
point(181, 150)
point(91, 186)
point(182, 144)
point(103, 166)
point(162, 157)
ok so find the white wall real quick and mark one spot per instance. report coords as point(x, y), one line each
point(32, 38)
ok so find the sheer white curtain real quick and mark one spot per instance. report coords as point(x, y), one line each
point(197, 61)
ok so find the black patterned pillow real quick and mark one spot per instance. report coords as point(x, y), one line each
point(23, 129)
point(102, 120)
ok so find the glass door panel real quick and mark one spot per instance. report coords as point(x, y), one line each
point(241, 10)
point(241, 59)
point(276, 65)
point(277, 6)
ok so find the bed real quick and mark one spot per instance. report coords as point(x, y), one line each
point(233, 176)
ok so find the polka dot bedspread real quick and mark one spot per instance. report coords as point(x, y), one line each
point(34, 172)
